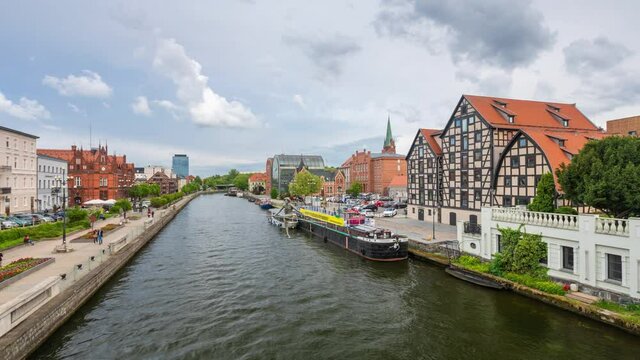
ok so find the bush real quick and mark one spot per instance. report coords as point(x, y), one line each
point(543, 284)
point(115, 209)
point(566, 210)
point(76, 214)
point(274, 193)
point(472, 263)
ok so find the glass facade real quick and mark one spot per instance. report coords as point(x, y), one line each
point(180, 165)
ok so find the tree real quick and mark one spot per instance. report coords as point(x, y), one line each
point(355, 189)
point(241, 181)
point(274, 193)
point(545, 195)
point(520, 252)
point(154, 190)
point(232, 174)
point(606, 176)
point(123, 204)
point(305, 183)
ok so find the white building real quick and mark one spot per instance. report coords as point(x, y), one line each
point(151, 170)
point(601, 255)
point(18, 163)
point(51, 174)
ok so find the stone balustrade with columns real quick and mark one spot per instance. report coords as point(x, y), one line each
point(600, 254)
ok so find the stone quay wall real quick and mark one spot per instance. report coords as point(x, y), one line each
point(25, 338)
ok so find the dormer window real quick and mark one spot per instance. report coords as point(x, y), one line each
point(500, 103)
point(565, 122)
point(560, 142)
point(554, 108)
point(511, 119)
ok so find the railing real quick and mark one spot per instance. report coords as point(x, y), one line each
point(472, 228)
point(612, 226)
point(560, 221)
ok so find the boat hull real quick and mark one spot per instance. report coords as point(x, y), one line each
point(266, 206)
point(470, 277)
point(376, 251)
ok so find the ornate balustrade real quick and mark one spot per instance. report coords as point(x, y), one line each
point(612, 226)
point(514, 215)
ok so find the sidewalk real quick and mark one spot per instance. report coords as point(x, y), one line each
point(65, 262)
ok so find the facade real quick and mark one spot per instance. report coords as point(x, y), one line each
point(180, 165)
point(284, 168)
point(167, 184)
point(333, 184)
point(493, 152)
point(625, 126)
point(151, 170)
point(602, 255)
point(94, 174)
point(398, 188)
point(52, 173)
point(18, 171)
point(139, 174)
point(268, 171)
point(258, 183)
point(374, 171)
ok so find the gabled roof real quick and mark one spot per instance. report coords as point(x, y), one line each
point(258, 177)
point(529, 113)
point(430, 135)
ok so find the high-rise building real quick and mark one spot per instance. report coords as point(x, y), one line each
point(180, 165)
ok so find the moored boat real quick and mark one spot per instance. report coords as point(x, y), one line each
point(265, 204)
point(470, 276)
point(280, 219)
point(367, 241)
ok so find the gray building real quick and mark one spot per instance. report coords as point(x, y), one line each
point(284, 169)
point(180, 165)
point(51, 174)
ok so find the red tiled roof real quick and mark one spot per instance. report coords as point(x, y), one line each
point(258, 177)
point(398, 181)
point(529, 113)
point(430, 135)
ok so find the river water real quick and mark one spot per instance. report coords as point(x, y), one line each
point(219, 282)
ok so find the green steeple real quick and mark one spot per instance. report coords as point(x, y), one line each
point(389, 139)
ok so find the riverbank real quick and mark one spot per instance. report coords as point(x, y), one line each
point(27, 336)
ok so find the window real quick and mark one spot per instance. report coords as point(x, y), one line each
point(565, 123)
point(430, 163)
point(420, 167)
point(464, 179)
point(420, 151)
point(457, 123)
point(531, 160)
point(452, 141)
point(78, 181)
point(465, 143)
point(430, 179)
point(522, 142)
point(477, 175)
point(515, 161)
point(413, 210)
point(506, 201)
point(507, 181)
point(567, 258)
point(464, 199)
point(452, 194)
point(452, 158)
point(499, 242)
point(429, 212)
point(521, 200)
point(464, 160)
point(465, 125)
point(477, 195)
point(614, 267)
point(478, 136)
point(430, 195)
point(633, 133)
point(463, 109)
point(477, 155)
point(522, 180)
point(511, 119)
point(413, 178)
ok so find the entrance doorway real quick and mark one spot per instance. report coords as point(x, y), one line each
point(421, 214)
point(452, 218)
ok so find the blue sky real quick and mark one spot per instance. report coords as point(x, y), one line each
point(230, 83)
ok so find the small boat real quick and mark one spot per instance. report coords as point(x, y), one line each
point(251, 199)
point(239, 194)
point(472, 277)
point(231, 192)
point(282, 220)
point(265, 205)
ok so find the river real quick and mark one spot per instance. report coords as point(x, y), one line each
point(219, 282)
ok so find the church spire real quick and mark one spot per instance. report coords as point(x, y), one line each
point(389, 144)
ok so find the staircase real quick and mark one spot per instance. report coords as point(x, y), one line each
point(582, 297)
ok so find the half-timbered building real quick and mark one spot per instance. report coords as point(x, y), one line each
point(424, 181)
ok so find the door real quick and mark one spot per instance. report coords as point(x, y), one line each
point(452, 218)
point(421, 214)
point(473, 219)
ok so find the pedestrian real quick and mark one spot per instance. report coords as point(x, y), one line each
point(1, 255)
point(100, 234)
point(153, 213)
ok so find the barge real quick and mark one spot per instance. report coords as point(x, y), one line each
point(366, 241)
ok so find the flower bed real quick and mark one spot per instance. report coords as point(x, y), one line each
point(20, 266)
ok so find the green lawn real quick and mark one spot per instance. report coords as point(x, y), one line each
point(12, 237)
point(630, 312)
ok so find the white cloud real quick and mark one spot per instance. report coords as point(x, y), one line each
point(89, 84)
point(140, 106)
point(298, 99)
point(205, 107)
point(25, 109)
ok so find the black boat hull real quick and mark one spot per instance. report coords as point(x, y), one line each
point(376, 251)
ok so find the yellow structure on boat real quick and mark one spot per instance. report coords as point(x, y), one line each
point(323, 217)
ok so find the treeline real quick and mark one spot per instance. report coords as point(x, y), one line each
point(233, 177)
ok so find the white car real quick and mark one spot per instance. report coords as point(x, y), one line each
point(7, 224)
point(367, 213)
point(390, 212)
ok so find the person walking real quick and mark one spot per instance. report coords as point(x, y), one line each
point(153, 213)
point(100, 235)
point(1, 255)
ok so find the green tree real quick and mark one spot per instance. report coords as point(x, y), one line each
point(545, 195)
point(241, 181)
point(520, 252)
point(123, 204)
point(355, 189)
point(305, 183)
point(232, 174)
point(274, 193)
point(606, 176)
point(154, 190)
point(76, 214)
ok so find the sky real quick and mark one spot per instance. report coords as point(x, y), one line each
point(231, 83)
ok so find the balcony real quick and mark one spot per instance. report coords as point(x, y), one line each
point(472, 228)
point(5, 168)
point(5, 190)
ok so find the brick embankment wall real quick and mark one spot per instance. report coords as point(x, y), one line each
point(32, 332)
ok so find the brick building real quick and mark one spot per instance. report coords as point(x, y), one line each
point(625, 126)
point(94, 174)
point(375, 171)
point(167, 184)
point(268, 168)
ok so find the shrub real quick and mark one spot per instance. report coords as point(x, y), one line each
point(76, 214)
point(274, 193)
point(566, 210)
point(115, 209)
point(472, 263)
point(540, 283)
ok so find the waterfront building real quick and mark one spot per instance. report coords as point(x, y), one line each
point(258, 183)
point(94, 174)
point(180, 165)
point(268, 168)
point(139, 174)
point(625, 126)
point(50, 171)
point(333, 184)
point(284, 168)
point(167, 184)
point(492, 151)
point(398, 188)
point(151, 170)
point(18, 172)
point(374, 171)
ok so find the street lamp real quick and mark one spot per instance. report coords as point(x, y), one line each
point(60, 188)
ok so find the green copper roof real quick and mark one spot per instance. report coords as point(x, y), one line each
point(387, 140)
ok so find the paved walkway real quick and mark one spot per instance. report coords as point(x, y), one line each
point(418, 230)
point(66, 262)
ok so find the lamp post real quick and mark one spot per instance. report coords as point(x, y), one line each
point(60, 188)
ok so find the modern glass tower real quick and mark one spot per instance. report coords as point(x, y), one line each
point(180, 165)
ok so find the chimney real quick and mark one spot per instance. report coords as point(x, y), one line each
point(73, 148)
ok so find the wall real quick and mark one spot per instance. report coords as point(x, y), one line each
point(32, 332)
point(17, 172)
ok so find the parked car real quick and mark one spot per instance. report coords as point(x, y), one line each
point(5, 223)
point(400, 205)
point(20, 221)
point(371, 207)
point(379, 203)
point(389, 212)
point(49, 218)
point(367, 213)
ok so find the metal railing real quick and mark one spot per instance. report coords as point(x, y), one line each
point(472, 228)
